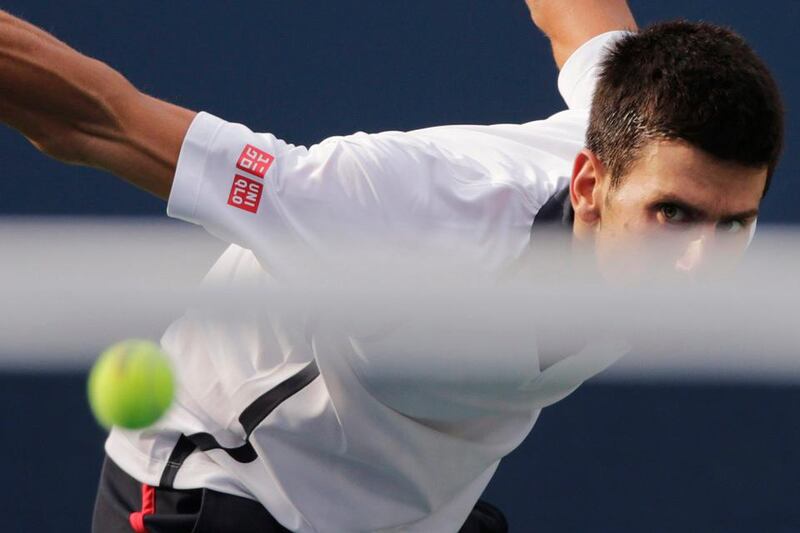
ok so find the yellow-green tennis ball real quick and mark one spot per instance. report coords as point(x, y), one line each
point(130, 385)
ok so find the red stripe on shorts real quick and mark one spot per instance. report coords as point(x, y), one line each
point(148, 507)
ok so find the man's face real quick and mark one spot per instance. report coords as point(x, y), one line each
point(678, 211)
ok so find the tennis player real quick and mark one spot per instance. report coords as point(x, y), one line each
point(671, 135)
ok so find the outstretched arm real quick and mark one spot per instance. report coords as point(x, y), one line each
point(570, 23)
point(79, 110)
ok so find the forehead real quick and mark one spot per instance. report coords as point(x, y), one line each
point(677, 169)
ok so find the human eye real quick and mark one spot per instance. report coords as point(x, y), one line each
point(731, 226)
point(673, 214)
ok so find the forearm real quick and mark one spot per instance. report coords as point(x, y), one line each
point(570, 23)
point(79, 110)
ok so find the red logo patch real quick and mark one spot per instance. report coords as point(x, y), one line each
point(254, 161)
point(245, 193)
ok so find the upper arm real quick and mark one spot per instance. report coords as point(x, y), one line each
point(570, 23)
point(393, 188)
point(578, 76)
point(258, 191)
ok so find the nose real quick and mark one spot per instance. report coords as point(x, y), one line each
point(692, 257)
point(696, 251)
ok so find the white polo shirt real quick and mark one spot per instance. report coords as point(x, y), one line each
point(341, 453)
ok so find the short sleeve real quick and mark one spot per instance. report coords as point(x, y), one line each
point(578, 76)
point(261, 193)
point(221, 176)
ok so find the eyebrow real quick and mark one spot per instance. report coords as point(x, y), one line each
point(700, 212)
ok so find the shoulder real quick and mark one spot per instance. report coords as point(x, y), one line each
point(534, 159)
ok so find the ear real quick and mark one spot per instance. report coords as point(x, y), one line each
point(585, 190)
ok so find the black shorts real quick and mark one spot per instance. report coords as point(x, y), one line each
point(124, 505)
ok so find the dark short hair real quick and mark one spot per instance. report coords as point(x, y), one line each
point(689, 81)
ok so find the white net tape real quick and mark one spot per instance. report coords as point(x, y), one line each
point(70, 287)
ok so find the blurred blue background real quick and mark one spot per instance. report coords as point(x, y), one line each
point(699, 457)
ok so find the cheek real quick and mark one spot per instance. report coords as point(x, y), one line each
point(729, 249)
point(631, 245)
point(622, 220)
point(624, 212)
point(620, 247)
